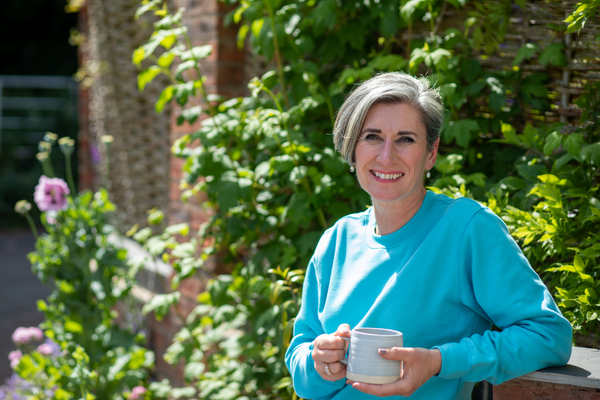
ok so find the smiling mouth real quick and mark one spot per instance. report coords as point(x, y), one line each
point(386, 176)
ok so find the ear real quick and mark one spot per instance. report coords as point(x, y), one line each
point(433, 155)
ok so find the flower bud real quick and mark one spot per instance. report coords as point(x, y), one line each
point(22, 207)
point(67, 145)
point(42, 156)
point(107, 139)
point(50, 138)
point(44, 147)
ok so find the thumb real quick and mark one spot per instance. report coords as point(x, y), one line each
point(396, 353)
point(343, 330)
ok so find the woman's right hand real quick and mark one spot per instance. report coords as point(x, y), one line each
point(329, 350)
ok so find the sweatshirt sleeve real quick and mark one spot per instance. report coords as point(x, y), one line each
point(497, 282)
point(308, 383)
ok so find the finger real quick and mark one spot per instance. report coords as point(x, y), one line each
point(398, 353)
point(337, 368)
point(399, 388)
point(328, 356)
point(330, 342)
point(343, 330)
point(337, 372)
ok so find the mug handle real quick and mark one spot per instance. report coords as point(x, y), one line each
point(345, 360)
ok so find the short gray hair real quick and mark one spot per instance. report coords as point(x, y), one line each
point(391, 88)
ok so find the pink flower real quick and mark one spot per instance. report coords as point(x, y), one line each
point(14, 363)
point(36, 333)
point(45, 349)
point(21, 335)
point(51, 194)
point(24, 335)
point(15, 355)
point(137, 391)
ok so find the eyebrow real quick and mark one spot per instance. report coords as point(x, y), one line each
point(400, 133)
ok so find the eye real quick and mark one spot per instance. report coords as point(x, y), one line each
point(370, 137)
point(405, 139)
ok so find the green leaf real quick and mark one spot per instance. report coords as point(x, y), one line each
point(72, 326)
point(182, 229)
point(436, 57)
point(160, 304)
point(573, 144)
point(177, 393)
point(525, 52)
point(166, 59)
point(193, 370)
point(591, 153)
point(197, 53)
point(184, 250)
point(138, 55)
point(553, 141)
point(165, 97)
point(184, 66)
point(408, 9)
point(256, 27)
point(190, 115)
point(461, 131)
point(554, 55)
point(510, 134)
point(241, 36)
point(562, 161)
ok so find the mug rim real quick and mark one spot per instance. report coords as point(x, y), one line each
point(386, 332)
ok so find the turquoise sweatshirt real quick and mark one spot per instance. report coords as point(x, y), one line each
point(442, 279)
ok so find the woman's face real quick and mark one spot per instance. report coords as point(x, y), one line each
point(391, 153)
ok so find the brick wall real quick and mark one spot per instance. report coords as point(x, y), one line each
point(225, 73)
point(521, 389)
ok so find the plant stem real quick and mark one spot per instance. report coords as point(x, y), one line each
point(203, 94)
point(70, 174)
point(329, 105)
point(277, 55)
point(408, 38)
point(32, 225)
point(272, 95)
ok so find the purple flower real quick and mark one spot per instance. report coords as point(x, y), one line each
point(95, 154)
point(51, 194)
point(15, 355)
point(137, 391)
point(45, 349)
point(56, 350)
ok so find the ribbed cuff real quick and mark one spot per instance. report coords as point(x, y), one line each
point(456, 359)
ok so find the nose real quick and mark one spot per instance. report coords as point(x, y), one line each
point(387, 152)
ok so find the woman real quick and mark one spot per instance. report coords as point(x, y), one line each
point(441, 271)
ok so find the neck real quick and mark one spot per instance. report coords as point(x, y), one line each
point(391, 216)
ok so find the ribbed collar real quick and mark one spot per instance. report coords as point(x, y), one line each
point(396, 238)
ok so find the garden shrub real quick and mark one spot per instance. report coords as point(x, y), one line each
point(95, 356)
point(269, 172)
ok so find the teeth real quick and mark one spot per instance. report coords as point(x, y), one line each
point(387, 176)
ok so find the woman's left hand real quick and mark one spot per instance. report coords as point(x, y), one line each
point(419, 366)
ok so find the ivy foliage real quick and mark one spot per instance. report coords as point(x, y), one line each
point(265, 165)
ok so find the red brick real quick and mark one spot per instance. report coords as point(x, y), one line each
point(521, 389)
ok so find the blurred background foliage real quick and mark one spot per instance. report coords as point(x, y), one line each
point(28, 38)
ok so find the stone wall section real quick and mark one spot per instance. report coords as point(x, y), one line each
point(134, 168)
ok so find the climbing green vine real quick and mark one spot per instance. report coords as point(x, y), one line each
point(268, 170)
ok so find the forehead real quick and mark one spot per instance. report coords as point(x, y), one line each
point(397, 116)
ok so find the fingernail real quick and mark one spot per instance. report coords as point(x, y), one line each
point(382, 351)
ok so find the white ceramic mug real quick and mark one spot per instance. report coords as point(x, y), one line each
point(364, 364)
